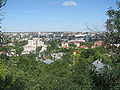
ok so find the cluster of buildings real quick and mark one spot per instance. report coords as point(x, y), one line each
point(78, 45)
point(66, 39)
point(37, 39)
point(32, 45)
point(64, 36)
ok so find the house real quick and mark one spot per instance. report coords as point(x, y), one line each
point(64, 44)
point(28, 49)
point(35, 42)
point(57, 55)
point(93, 46)
point(84, 46)
point(75, 42)
point(99, 43)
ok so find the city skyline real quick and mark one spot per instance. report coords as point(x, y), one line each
point(55, 15)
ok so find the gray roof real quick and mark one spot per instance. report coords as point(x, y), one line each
point(43, 53)
point(48, 61)
point(98, 65)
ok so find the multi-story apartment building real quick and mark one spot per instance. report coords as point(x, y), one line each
point(32, 45)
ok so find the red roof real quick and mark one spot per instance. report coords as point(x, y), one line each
point(99, 44)
point(93, 46)
point(83, 46)
point(65, 47)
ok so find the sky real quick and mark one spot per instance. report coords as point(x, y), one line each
point(55, 15)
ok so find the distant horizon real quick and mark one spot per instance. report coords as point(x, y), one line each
point(55, 32)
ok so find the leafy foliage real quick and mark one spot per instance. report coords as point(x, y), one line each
point(53, 45)
point(113, 33)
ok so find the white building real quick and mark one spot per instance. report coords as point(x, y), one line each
point(64, 44)
point(77, 44)
point(32, 45)
point(80, 35)
point(57, 55)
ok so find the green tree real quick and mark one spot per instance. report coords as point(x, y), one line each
point(87, 53)
point(72, 45)
point(109, 77)
point(8, 83)
point(81, 76)
point(113, 32)
point(38, 49)
point(52, 45)
point(19, 46)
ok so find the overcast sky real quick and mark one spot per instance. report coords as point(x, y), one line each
point(55, 15)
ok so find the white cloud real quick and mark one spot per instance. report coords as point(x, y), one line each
point(70, 3)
